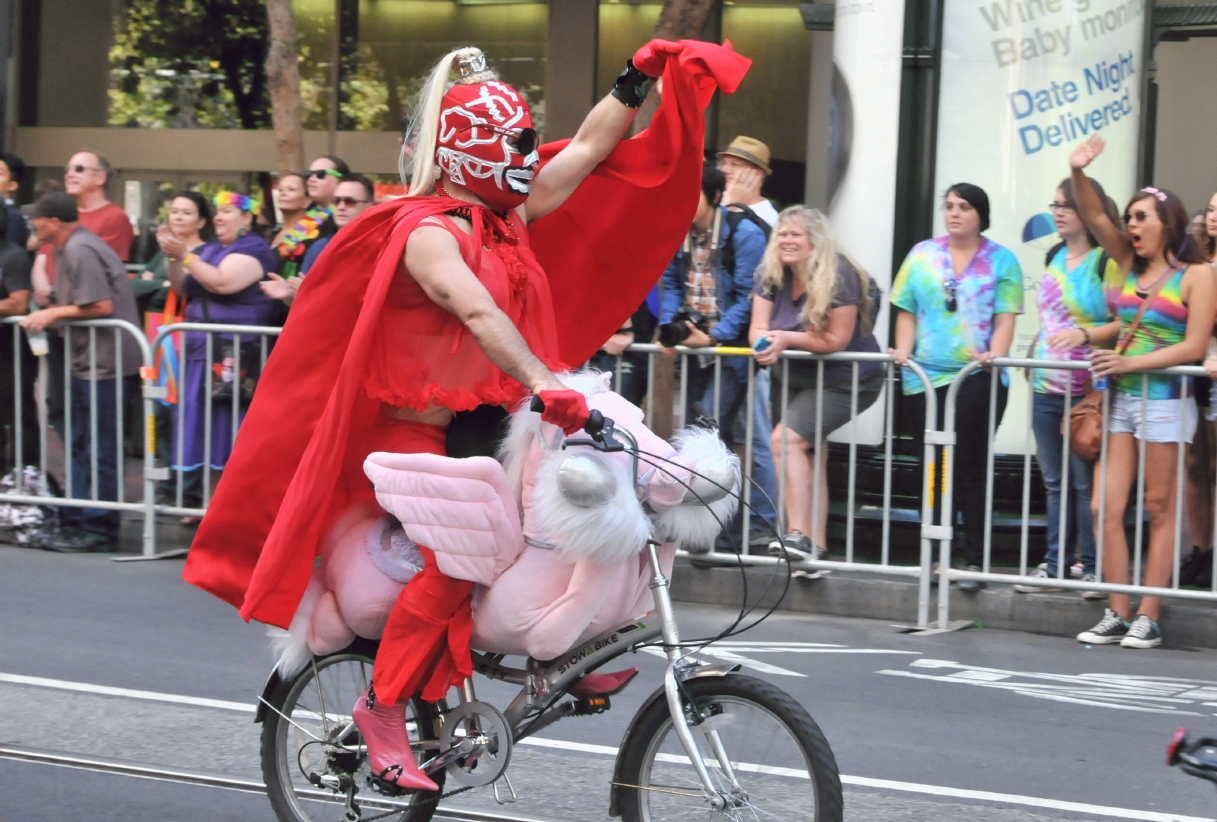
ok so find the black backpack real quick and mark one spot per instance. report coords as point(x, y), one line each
point(734, 218)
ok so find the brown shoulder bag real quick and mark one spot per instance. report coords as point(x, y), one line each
point(1086, 418)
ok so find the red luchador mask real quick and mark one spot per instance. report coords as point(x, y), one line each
point(487, 144)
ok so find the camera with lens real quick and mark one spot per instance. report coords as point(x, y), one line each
point(672, 334)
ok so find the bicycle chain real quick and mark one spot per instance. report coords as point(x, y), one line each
point(435, 800)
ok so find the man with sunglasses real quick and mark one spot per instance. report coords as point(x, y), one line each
point(84, 177)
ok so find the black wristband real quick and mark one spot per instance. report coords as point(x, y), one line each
point(632, 85)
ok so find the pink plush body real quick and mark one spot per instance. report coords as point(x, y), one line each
point(538, 599)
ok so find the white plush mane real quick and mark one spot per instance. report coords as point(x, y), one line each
point(526, 425)
point(691, 525)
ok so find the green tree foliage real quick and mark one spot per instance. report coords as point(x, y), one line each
point(190, 64)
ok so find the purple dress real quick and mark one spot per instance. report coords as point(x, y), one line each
point(247, 307)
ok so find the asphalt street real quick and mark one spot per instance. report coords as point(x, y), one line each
point(978, 724)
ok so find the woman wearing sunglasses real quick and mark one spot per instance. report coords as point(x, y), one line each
point(957, 298)
point(1165, 311)
point(1072, 301)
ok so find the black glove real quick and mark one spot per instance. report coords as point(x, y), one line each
point(632, 85)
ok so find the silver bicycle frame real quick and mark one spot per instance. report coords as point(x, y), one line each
point(543, 687)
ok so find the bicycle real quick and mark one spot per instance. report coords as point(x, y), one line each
point(708, 740)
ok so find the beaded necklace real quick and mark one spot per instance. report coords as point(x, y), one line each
point(306, 229)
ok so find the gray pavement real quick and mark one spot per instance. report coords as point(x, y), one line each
point(980, 710)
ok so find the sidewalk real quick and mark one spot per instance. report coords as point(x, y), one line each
point(1184, 624)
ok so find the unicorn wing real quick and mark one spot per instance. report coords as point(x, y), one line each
point(462, 509)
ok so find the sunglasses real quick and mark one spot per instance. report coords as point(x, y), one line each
point(950, 286)
point(322, 173)
point(79, 169)
point(350, 202)
point(1055, 207)
point(1139, 216)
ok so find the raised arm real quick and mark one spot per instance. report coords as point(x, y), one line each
point(434, 260)
point(1090, 207)
point(603, 129)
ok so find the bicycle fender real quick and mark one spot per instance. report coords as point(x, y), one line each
point(272, 683)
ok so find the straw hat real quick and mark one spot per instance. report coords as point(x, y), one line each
point(750, 150)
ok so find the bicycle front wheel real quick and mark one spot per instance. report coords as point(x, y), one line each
point(759, 745)
point(312, 712)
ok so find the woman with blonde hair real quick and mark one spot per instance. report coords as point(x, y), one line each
point(810, 297)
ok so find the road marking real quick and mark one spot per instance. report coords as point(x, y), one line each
point(907, 787)
point(606, 750)
point(106, 690)
point(1147, 694)
point(731, 652)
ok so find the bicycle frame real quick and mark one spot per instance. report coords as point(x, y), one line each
point(543, 687)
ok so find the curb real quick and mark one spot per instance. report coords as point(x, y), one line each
point(895, 599)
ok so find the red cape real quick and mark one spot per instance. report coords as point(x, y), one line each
point(603, 250)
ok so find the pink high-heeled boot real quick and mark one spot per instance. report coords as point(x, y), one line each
point(384, 731)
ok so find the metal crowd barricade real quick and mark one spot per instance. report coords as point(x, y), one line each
point(1137, 550)
point(216, 334)
point(928, 530)
point(125, 334)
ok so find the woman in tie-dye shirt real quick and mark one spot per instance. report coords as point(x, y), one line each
point(1168, 273)
point(957, 298)
point(1074, 297)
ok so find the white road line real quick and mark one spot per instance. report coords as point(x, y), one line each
point(607, 750)
point(908, 787)
point(106, 690)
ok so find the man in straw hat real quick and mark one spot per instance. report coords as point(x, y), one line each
point(745, 163)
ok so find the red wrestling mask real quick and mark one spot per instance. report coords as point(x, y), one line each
point(487, 144)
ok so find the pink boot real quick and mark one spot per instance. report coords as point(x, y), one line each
point(389, 756)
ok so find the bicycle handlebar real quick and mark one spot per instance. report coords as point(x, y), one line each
point(598, 427)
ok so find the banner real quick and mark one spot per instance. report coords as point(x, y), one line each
point(1023, 83)
point(868, 38)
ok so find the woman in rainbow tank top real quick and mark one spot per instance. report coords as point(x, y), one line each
point(1072, 300)
point(1172, 290)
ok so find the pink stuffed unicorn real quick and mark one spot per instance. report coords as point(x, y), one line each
point(553, 537)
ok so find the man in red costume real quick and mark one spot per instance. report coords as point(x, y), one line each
point(438, 303)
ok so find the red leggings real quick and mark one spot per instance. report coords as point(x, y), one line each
point(425, 646)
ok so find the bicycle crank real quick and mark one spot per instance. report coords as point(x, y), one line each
point(475, 745)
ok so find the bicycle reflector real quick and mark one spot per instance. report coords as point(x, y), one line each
point(1172, 750)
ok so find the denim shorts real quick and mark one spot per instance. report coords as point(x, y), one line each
point(1161, 423)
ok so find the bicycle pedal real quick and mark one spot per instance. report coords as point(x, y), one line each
point(383, 786)
point(591, 705)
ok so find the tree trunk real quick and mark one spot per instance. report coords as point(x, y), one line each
point(283, 82)
point(678, 20)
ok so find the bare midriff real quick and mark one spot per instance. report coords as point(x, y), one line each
point(433, 415)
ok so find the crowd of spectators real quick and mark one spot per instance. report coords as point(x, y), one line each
point(226, 259)
point(1125, 292)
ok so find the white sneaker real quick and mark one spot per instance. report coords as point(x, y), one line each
point(1038, 573)
point(1077, 570)
point(1092, 595)
point(1110, 630)
point(1143, 633)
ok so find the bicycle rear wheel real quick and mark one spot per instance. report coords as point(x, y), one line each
point(314, 708)
point(778, 764)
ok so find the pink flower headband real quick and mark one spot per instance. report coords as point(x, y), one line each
point(1161, 195)
point(242, 201)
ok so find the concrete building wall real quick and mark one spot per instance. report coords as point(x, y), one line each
point(1185, 157)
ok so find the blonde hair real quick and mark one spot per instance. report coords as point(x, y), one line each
point(425, 123)
point(818, 272)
